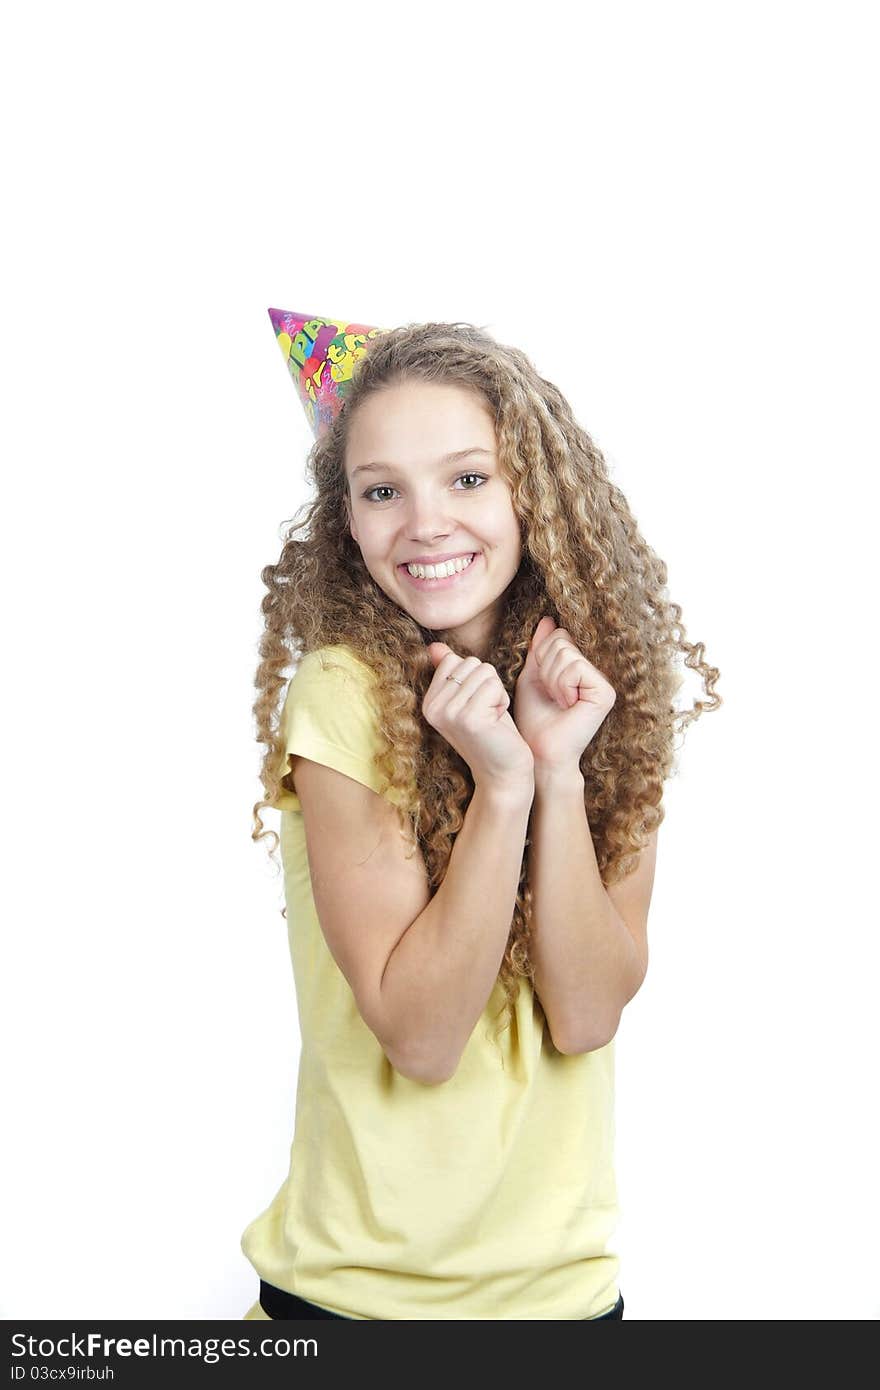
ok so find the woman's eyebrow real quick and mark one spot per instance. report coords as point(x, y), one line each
point(441, 463)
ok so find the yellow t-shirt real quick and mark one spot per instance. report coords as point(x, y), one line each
point(492, 1195)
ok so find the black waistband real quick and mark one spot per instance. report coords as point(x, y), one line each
point(280, 1304)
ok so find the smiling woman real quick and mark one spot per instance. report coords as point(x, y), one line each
point(469, 767)
point(414, 426)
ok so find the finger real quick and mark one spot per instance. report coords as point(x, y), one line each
point(451, 665)
point(573, 680)
point(443, 666)
point(541, 638)
point(554, 641)
point(569, 672)
point(553, 658)
point(561, 657)
point(480, 684)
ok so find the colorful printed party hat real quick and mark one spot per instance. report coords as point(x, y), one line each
point(320, 356)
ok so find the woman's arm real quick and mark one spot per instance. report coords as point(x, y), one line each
point(438, 978)
point(589, 942)
point(421, 968)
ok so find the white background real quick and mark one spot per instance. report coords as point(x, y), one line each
point(671, 209)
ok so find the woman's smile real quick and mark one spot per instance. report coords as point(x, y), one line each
point(445, 581)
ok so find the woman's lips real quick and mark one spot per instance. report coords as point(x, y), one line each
point(446, 582)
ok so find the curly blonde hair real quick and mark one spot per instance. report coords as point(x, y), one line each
point(584, 562)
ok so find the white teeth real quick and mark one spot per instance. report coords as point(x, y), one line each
point(439, 571)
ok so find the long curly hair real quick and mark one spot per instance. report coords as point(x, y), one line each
point(584, 562)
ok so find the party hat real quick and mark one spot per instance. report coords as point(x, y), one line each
point(320, 356)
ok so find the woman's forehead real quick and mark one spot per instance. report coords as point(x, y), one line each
point(425, 420)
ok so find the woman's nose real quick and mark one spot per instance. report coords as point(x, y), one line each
point(428, 516)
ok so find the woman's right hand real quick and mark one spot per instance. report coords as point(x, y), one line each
point(473, 717)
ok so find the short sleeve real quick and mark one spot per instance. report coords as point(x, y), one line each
point(329, 716)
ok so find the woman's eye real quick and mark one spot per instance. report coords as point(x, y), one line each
point(386, 487)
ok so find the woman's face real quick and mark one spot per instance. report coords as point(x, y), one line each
point(411, 502)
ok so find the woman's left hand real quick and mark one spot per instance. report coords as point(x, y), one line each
point(560, 698)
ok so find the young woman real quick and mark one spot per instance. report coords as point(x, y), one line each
point(469, 764)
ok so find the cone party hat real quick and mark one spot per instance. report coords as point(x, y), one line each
point(320, 356)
